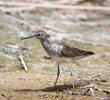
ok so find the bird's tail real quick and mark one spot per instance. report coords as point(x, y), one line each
point(88, 53)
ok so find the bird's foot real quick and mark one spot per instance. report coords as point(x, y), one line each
point(71, 74)
point(54, 86)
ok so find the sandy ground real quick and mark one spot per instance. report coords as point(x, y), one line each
point(20, 85)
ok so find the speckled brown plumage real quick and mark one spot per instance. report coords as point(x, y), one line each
point(74, 52)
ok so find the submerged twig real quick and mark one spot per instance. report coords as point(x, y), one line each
point(94, 86)
point(23, 63)
point(29, 25)
point(21, 6)
point(101, 90)
point(99, 98)
point(86, 91)
point(92, 92)
point(53, 28)
point(24, 22)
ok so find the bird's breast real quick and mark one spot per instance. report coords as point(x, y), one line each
point(53, 49)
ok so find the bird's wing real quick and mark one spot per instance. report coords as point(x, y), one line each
point(74, 52)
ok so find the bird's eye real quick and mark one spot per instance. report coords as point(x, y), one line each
point(38, 34)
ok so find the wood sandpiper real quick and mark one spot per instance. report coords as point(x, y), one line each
point(60, 53)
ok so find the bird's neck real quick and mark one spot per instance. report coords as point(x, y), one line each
point(45, 42)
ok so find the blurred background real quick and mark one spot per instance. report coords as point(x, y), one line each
point(84, 24)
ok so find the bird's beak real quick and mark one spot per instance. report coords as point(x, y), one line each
point(27, 37)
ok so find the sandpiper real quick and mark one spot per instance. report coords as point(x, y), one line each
point(60, 53)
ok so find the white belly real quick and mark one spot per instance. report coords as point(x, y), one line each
point(61, 59)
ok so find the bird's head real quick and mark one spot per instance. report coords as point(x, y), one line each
point(39, 34)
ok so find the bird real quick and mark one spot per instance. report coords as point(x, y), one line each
point(59, 53)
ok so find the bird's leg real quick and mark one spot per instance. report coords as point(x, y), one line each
point(58, 73)
point(69, 64)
